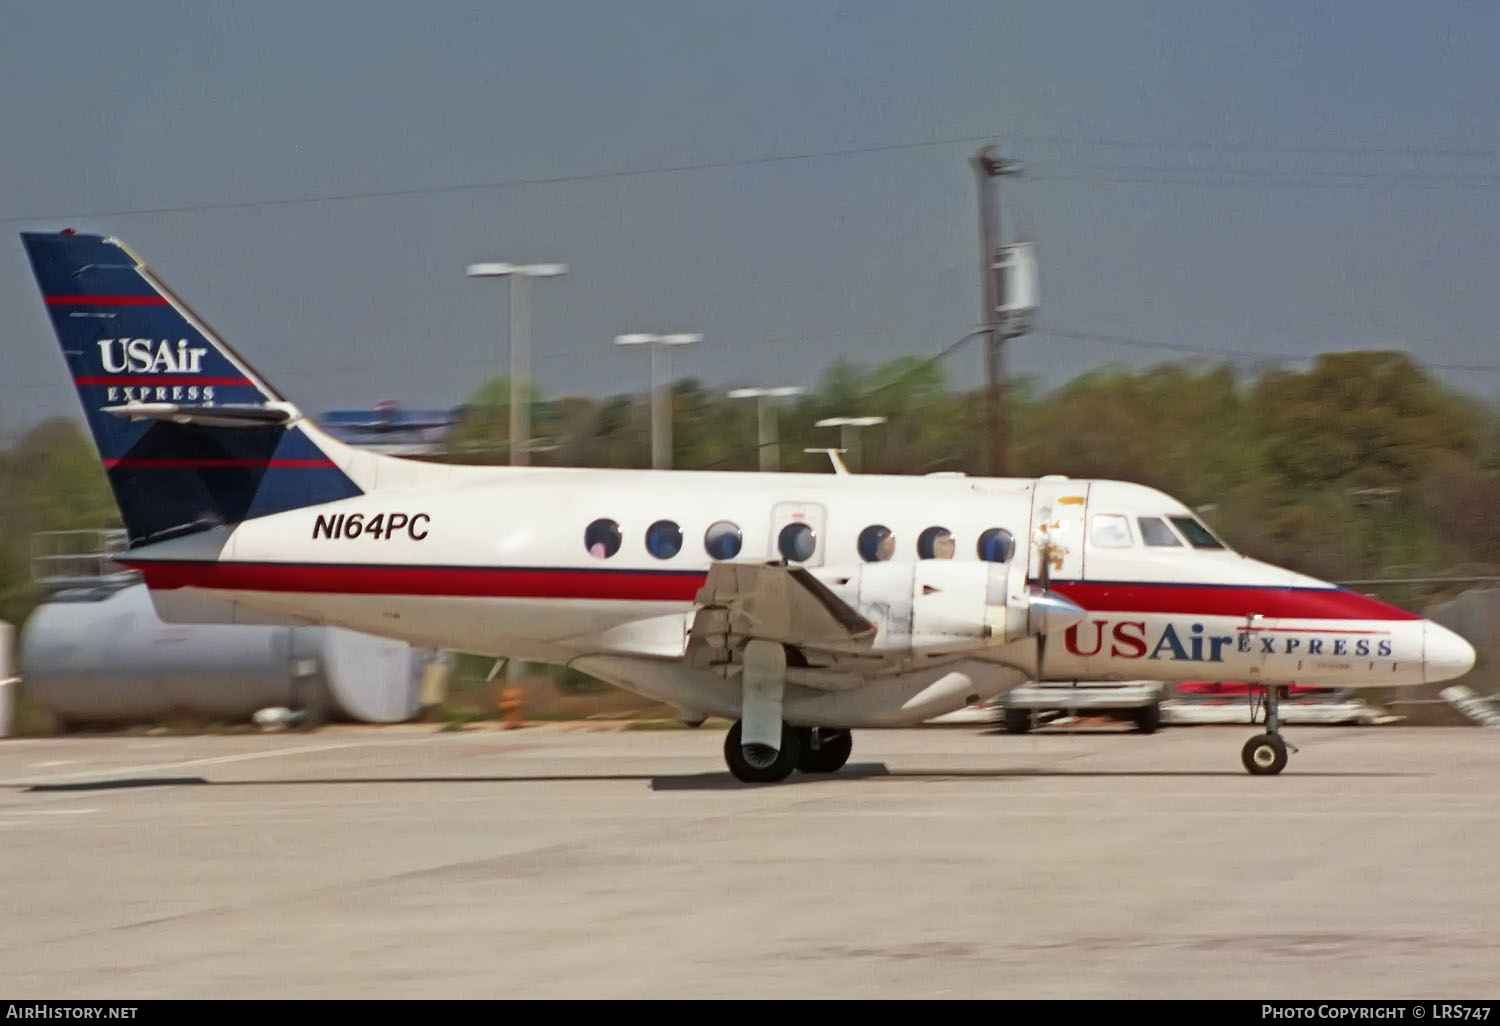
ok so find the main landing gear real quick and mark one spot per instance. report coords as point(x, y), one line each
point(758, 763)
point(823, 749)
point(1265, 754)
point(760, 747)
point(809, 749)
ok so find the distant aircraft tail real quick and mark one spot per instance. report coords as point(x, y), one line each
point(191, 437)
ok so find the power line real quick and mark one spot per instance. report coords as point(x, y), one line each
point(511, 183)
point(1429, 152)
point(1357, 176)
point(1267, 179)
point(941, 355)
point(1141, 343)
point(947, 351)
point(1236, 354)
point(1104, 173)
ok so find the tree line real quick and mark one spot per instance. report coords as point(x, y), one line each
point(1360, 467)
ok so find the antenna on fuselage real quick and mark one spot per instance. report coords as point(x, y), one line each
point(833, 457)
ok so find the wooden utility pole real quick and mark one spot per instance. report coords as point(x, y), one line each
point(988, 168)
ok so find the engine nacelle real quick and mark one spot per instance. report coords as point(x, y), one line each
point(944, 606)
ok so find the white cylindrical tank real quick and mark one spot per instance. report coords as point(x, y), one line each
point(7, 679)
point(103, 655)
point(370, 679)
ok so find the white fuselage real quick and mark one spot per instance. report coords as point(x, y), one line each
point(495, 561)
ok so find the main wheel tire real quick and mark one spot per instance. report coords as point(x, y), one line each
point(1017, 721)
point(774, 771)
point(1264, 755)
point(1148, 718)
point(830, 754)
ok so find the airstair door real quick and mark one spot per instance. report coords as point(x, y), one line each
point(1057, 529)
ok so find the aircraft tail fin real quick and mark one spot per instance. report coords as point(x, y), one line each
point(191, 436)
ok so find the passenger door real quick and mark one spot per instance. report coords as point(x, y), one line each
point(1057, 524)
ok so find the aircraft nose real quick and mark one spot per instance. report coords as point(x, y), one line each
point(1445, 655)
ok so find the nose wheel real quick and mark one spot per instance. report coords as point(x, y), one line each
point(1266, 754)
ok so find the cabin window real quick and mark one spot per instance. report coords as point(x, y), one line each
point(935, 543)
point(723, 540)
point(664, 539)
point(797, 542)
point(996, 545)
point(1154, 531)
point(602, 539)
point(1197, 535)
point(1110, 531)
point(876, 544)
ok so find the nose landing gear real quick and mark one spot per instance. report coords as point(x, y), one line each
point(1266, 754)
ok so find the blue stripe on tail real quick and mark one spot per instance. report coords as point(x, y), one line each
point(126, 339)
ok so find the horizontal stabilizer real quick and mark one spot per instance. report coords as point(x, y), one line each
point(236, 415)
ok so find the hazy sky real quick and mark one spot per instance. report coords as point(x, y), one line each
point(1257, 178)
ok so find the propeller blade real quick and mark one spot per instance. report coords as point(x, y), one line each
point(1048, 612)
point(1044, 577)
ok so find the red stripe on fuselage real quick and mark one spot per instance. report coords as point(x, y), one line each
point(1232, 600)
point(175, 464)
point(106, 301)
point(160, 380)
point(467, 582)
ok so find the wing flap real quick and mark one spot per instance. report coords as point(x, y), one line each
point(772, 602)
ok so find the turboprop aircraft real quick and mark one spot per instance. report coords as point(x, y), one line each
point(800, 606)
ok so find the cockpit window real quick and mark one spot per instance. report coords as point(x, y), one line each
point(1196, 533)
point(1110, 531)
point(1154, 531)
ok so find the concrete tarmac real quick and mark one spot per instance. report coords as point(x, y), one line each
point(404, 862)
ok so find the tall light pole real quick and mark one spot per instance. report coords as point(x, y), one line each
point(520, 346)
point(847, 435)
point(661, 390)
point(769, 437)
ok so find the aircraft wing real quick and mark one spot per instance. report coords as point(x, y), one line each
point(772, 602)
